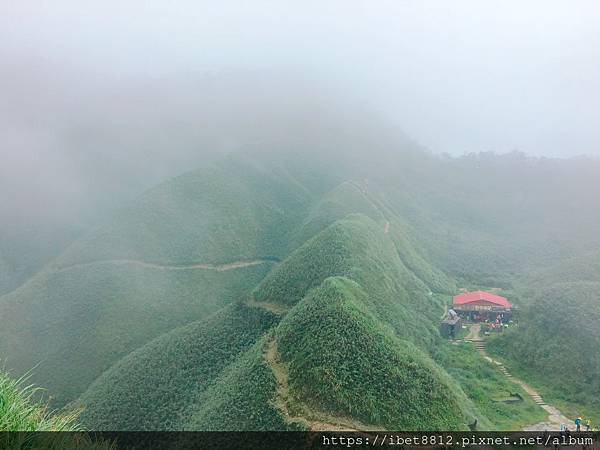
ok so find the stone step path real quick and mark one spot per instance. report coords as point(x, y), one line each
point(555, 418)
point(480, 347)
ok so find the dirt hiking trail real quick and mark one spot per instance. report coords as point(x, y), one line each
point(305, 417)
point(194, 266)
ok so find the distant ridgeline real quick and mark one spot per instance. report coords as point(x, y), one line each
point(288, 291)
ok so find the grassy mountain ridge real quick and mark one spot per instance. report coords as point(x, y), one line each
point(352, 197)
point(343, 360)
point(98, 305)
point(158, 296)
point(241, 398)
point(356, 247)
point(97, 314)
point(153, 387)
point(226, 212)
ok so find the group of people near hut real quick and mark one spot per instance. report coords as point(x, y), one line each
point(497, 325)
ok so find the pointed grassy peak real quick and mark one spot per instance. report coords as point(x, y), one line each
point(411, 251)
point(331, 252)
point(367, 198)
point(353, 246)
point(344, 360)
point(358, 248)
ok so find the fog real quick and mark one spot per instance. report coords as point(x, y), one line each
point(458, 76)
point(100, 100)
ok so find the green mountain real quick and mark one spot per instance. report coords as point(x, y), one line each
point(356, 248)
point(291, 290)
point(179, 253)
point(346, 361)
point(155, 386)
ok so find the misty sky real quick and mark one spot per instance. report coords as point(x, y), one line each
point(457, 76)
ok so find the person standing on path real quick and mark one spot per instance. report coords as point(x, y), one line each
point(578, 423)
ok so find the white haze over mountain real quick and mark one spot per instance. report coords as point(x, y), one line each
point(100, 100)
point(457, 76)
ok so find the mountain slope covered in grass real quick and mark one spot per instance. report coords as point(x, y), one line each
point(234, 210)
point(155, 386)
point(345, 361)
point(177, 254)
point(285, 290)
point(358, 248)
point(560, 329)
point(355, 247)
point(97, 314)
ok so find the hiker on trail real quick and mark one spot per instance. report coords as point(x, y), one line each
point(588, 425)
point(578, 423)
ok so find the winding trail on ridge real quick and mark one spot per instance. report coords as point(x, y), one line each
point(555, 417)
point(193, 266)
point(306, 417)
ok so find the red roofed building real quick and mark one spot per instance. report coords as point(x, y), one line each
point(482, 306)
point(480, 300)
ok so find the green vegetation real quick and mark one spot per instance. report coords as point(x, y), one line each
point(215, 393)
point(155, 386)
point(560, 329)
point(97, 314)
point(93, 305)
point(488, 388)
point(344, 361)
point(358, 257)
point(19, 411)
point(357, 248)
point(241, 399)
point(235, 210)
